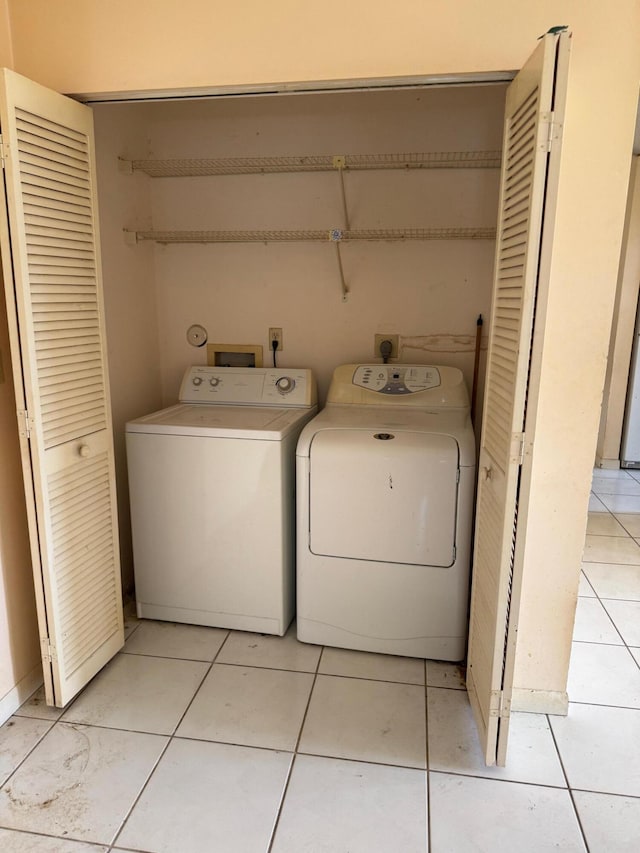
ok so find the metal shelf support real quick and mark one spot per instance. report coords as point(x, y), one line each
point(336, 235)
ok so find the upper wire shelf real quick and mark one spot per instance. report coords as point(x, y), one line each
point(336, 235)
point(313, 163)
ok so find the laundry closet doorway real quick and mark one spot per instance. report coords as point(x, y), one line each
point(145, 332)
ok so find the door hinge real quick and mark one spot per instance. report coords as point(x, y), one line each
point(504, 708)
point(2, 152)
point(553, 130)
point(517, 448)
point(48, 651)
point(500, 706)
point(25, 423)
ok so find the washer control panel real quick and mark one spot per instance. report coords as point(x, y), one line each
point(249, 386)
point(396, 379)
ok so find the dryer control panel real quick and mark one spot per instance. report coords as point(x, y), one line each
point(426, 386)
point(396, 379)
point(249, 386)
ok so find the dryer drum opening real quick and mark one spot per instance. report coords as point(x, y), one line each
point(384, 436)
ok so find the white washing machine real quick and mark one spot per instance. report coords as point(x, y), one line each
point(212, 487)
point(386, 478)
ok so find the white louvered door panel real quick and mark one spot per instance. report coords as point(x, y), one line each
point(50, 254)
point(526, 202)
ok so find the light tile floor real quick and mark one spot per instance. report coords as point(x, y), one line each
point(197, 740)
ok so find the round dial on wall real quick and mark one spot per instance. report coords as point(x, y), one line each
point(197, 335)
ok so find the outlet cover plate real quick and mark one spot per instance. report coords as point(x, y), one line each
point(394, 345)
point(275, 333)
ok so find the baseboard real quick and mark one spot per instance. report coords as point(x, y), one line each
point(610, 464)
point(12, 700)
point(540, 701)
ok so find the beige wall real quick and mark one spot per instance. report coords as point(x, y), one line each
point(120, 46)
point(130, 301)
point(20, 669)
point(6, 45)
point(430, 293)
point(116, 45)
point(103, 46)
point(624, 320)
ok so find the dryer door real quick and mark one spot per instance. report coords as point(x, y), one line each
point(384, 497)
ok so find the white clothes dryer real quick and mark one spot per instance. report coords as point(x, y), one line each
point(386, 477)
point(212, 487)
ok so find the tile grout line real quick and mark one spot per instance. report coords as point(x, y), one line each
point(371, 761)
point(426, 737)
point(602, 705)
point(285, 789)
point(217, 662)
point(604, 598)
point(54, 723)
point(280, 669)
point(106, 844)
point(607, 793)
point(501, 780)
point(618, 631)
point(167, 745)
point(601, 601)
point(136, 800)
point(317, 672)
point(569, 789)
point(39, 834)
point(588, 582)
point(622, 524)
point(36, 744)
point(33, 832)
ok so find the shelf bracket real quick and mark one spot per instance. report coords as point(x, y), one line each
point(339, 163)
point(125, 166)
point(336, 235)
point(130, 237)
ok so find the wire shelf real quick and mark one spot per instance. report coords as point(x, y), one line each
point(335, 235)
point(314, 163)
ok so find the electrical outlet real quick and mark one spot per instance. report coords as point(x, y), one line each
point(378, 339)
point(275, 334)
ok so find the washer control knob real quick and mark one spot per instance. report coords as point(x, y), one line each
point(197, 380)
point(215, 380)
point(285, 384)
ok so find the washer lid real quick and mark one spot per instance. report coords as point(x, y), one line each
point(259, 422)
point(384, 496)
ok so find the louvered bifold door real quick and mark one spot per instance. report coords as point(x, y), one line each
point(525, 205)
point(51, 265)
